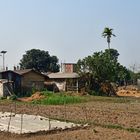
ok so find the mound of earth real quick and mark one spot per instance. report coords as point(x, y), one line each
point(35, 96)
point(131, 91)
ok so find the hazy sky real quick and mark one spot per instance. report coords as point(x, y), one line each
point(69, 29)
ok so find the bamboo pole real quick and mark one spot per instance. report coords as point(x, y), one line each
point(9, 122)
point(21, 126)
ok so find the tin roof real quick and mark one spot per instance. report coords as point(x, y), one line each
point(25, 71)
point(22, 72)
point(7, 71)
point(60, 75)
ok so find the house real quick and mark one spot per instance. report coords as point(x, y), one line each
point(63, 81)
point(31, 79)
point(66, 80)
point(24, 80)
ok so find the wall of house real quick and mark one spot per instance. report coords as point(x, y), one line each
point(61, 85)
point(32, 80)
point(55, 85)
point(65, 84)
point(68, 67)
point(11, 76)
point(1, 90)
point(72, 85)
point(6, 89)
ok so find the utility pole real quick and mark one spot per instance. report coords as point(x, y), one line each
point(3, 54)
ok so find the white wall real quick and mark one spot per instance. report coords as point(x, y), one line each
point(1, 90)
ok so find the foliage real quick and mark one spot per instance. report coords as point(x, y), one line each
point(58, 99)
point(102, 68)
point(13, 97)
point(39, 60)
point(134, 77)
point(97, 93)
point(2, 98)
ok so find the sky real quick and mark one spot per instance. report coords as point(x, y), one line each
point(69, 29)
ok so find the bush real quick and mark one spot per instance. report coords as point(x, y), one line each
point(97, 93)
point(13, 97)
point(2, 98)
point(58, 99)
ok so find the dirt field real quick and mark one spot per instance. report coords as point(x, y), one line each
point(109, 118)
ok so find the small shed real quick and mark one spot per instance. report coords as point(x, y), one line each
point(6, 88)
point(31, 79)
point(24, 80)
point(64, 81)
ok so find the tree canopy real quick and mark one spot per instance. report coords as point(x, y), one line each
point(103, 68)
point(99, 72)
point(40, 60)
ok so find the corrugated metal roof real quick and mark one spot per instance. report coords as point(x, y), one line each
point(7, 71)
point(60, 75)
point(24, 71)
point(21, 72)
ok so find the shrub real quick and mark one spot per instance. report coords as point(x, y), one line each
point(58, 99)
point(97, 93)
point(2, 98)
point(13, 97)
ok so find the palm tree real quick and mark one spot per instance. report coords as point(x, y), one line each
point(107, 33)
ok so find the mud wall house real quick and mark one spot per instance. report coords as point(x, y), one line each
point(64, 81)
point(31, 80)
point(24, 80)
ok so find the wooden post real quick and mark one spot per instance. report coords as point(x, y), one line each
point(21, 123)
point(15, 107)
point(65, 108)
point(49, 120)
point(77, 85)
point(9, 120)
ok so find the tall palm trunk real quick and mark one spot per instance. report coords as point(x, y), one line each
point(108, 41)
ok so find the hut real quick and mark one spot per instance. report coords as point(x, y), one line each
point(24, 80)
point(63, 81)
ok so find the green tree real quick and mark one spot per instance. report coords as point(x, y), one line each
point(103, 69)
point(39, 60)
point(99, 65)
point(107, 33)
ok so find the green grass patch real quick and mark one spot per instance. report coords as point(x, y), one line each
point(58, 99)
point(133, 130)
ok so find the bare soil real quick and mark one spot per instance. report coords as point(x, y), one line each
point(107, 120)
point(35, 96)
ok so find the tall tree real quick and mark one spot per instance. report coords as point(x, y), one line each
point(107, 33)
point(40, 60)
point(103, 69)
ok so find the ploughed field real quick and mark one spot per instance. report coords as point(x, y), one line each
point(108, 118)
